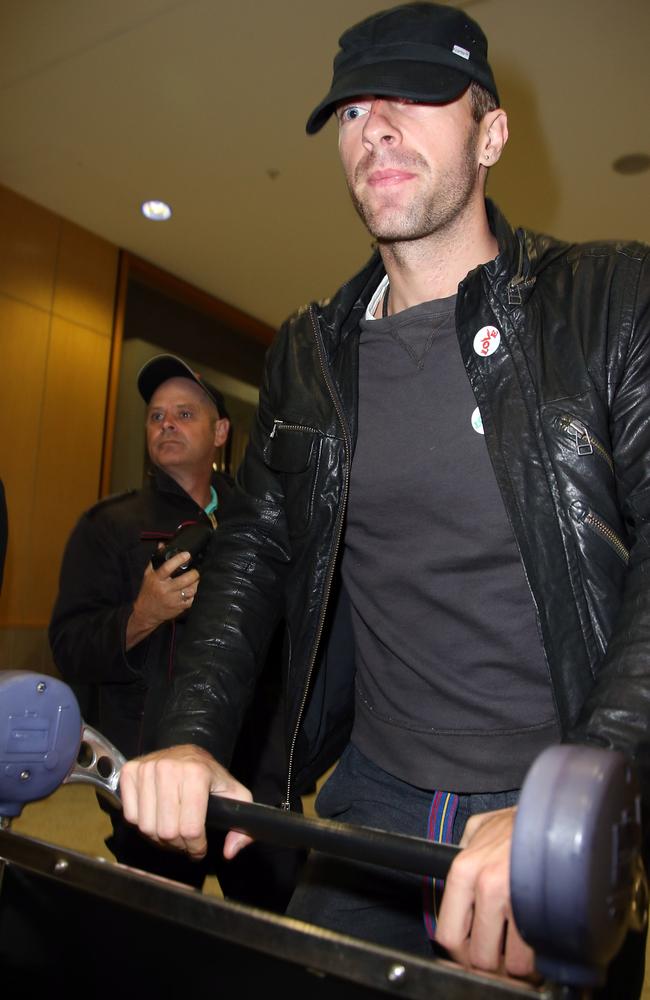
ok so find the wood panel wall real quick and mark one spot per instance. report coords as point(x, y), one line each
point(57, 295)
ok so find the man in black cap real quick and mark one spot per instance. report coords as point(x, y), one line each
point(447, 495)
point(117, 620)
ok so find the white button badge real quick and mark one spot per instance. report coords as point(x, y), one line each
point(486, 341)
point(477, 422)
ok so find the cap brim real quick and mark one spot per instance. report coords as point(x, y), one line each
point(400, 78)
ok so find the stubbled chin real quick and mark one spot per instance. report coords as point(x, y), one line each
point(382, 219)
point(168, 450)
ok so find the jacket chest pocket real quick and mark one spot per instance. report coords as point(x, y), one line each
point(293, 451)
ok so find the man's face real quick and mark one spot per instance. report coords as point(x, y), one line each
point(183, 428)
point(412, 169)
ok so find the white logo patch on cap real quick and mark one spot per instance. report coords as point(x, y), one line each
point(477, 422)
point(486, 341)
point(458, 50)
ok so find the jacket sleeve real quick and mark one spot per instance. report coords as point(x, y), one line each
point(239, 601)
point(617, 711)
point(88, 626)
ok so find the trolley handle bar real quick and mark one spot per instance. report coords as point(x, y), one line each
point(356, 843)
point(99, 763)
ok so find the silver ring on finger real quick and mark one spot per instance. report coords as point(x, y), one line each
point(184, 597)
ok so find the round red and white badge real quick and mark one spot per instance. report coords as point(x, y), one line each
point(486, 341)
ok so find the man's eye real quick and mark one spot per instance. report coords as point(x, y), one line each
point(155, 418)
point(351, 112)
point(185, 414)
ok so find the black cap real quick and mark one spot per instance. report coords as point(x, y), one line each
point(422, 51)
point(164, 366)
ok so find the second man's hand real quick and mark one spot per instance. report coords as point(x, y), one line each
point(165, 794)
point(161, 598)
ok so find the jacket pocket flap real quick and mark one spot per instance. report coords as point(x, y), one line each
point(289, 451)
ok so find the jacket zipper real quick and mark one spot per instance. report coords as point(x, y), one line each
point(588, 517)
point(585, 443)
point(604, 529)
point(516, 284)
point(514, 292)
point(280, 425)
point(337, 542)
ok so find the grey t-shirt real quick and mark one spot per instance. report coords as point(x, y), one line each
point(453, 689)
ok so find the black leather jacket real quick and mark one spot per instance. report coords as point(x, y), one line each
point(565, 403)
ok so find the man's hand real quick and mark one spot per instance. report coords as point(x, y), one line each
point(475, 923)
point(161, 598)
point(165, 794)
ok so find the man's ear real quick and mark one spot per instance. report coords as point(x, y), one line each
point(221, 429)
point(493, 136)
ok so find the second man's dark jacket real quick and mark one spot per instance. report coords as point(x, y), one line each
point(122, 692)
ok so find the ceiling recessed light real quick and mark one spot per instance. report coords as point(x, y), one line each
point(157, 211)
point(632, 163)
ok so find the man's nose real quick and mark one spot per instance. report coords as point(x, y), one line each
point(380, 125)
point(168, 422)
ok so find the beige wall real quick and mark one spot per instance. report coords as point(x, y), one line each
point(57, 295)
